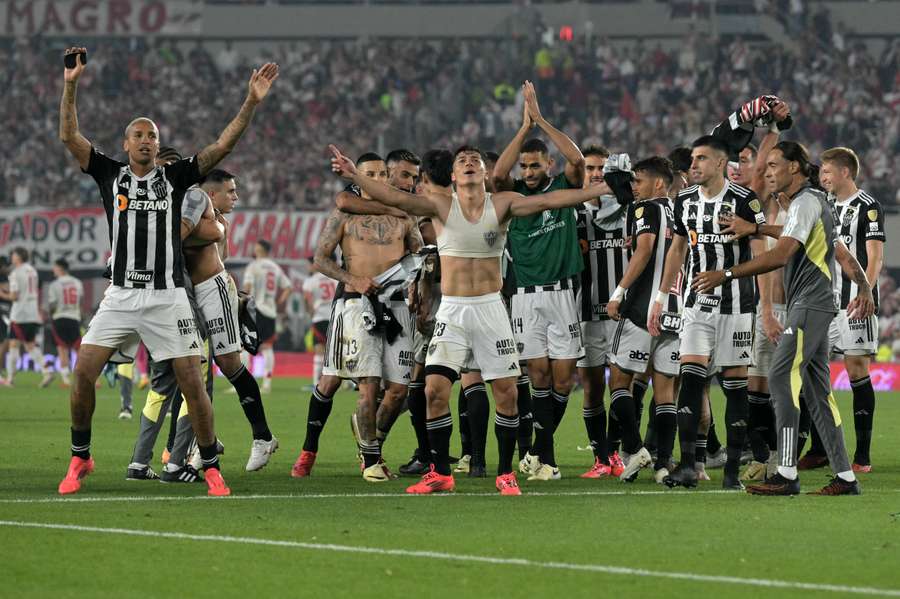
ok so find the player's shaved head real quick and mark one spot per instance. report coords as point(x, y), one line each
point(141, 120)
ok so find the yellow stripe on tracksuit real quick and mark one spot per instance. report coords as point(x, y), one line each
point(155, 401)
point(816, 248)
point(126, 371)
point(797, 381)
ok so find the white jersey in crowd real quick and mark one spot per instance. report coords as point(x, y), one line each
point(23, 280)
point(320, 290)
point(64, 297)
point(265, 279)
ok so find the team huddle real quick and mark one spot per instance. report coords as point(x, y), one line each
point(722, 260)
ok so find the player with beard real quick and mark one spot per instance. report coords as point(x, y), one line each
point(405, 170)
point(370, 244)
point(808, 246)
point(770, 311)
point(547, 259)
point(471, 327)
point(718, 326)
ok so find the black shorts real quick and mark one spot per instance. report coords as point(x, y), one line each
point(265, 328)
point(24, 332)
point(320, 331)
point(4, 330)
point(66, 331)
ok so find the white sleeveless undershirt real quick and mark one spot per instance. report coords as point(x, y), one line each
point(463, 239)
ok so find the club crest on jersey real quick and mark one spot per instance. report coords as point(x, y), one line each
point(755, 206)
point(873, 215)
point(160, 188)
point(546, 217)
point(639, 212)
point(490, 238)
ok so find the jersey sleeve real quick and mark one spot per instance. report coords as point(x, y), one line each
point(248, 276)
point(308, 284)
point(195, 203)
point(101, 167)
point(15, 285)
point(646, 220)
point(184, 173)
point(750, 209)
point(874, 218)
point(802, 216)
point(678, 223)
point(53, 294)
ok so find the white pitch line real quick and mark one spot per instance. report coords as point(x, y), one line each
point(398, 495)
point(459, 557)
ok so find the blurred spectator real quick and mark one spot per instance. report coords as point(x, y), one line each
point(381, 94)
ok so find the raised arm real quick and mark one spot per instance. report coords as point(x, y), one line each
point(574, 159)
point(260, 82)
point(353, 204)
point(758, 181)
point(418, 205)
point(507, 160)
point(69, 134)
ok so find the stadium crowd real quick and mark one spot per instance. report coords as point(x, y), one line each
point(631, 96)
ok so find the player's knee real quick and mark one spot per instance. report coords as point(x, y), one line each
point(229, 364)
point(857, 367)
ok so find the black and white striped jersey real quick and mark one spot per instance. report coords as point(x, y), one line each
point(144, 218)
point(657, 218)
point(605, 258)
point(860, 219)
point(697, 218)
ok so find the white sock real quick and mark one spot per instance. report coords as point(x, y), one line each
point(269, 359)
point(64, 373)
point(12, 360)
point(317, 368)
point(37, 356)
point(789, 472)
point(847, 476)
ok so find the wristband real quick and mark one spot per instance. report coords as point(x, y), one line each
point(661, 297)
point(617, 295)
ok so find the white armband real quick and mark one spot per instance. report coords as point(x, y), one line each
point(617, 295)
point(661, 297)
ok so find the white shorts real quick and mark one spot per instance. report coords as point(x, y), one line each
point(726, 338)
point(763, 349)
point(474, 333)
point(420, 346)
point(853, 337)
point(161, 318)
point(364, 354)
point(218, 302)
point(332, 348)
point(547, 324)
point(634, 349)
point(597, 336)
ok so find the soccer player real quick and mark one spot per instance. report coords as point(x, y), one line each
point(770, 311)
point(861, 223)
point(146, 299)
point(633, 348)
point(717, 326)
point(318, 293)
point(5, 306)
point(547, 260)
point(64, 297)
point(471, 327)
point(217, 299)
point(807, 248)
point(270, 288)
point(601, 237)
point(371, 245)
point(25, 319)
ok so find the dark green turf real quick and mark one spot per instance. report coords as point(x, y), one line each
point(851, 541)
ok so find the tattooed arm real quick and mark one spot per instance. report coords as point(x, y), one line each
point(413, 238)
point(324, 260)
point(260, 83)
point(69, 133)
point(863, 305)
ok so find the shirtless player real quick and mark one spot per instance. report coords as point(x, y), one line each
point(370, 244)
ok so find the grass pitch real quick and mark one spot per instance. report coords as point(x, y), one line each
point(335, 534)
